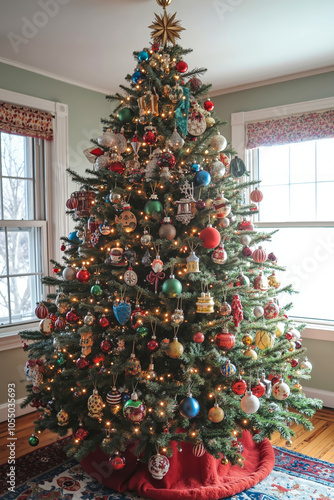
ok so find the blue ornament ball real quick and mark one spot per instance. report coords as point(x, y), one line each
point(195, 168)
point(228, 369)
point(125, 397)
point(202, 178)
point(138, 77)
point(143, 56)
point(189, 407)
point(73, 237)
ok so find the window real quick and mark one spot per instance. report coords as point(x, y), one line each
point(23, 227)
point(297, 180)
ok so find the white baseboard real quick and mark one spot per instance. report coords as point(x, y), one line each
point(326, 396)
point(18, 410)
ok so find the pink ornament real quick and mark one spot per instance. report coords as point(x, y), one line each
point(259, 255)
point(256, 195)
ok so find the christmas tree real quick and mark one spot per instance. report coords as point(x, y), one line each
point(164, 323)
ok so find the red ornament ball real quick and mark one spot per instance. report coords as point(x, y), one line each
point(155, 47)
point(117, 167)
point(198, 337)
point(246, 252)
point(104, 322)
point(195, 84)
point(259, 255)
point(41, 311)
point(259, 389)
point(298, 344)
point(200, 205)
point(210, 237)
point(245, 225)
point(82, 363)
point(72, 316)
point(272, 257)
point(150, 137)
point(60, 323)
point(224, 341)
point(56, 270)
point(208, 105)
point(239, 386)
point(72, 203)
point(105, 345)
point(166, 160)
point(117, 462)
point(152, 345)
point(83, 275)
point(182, 67)
point(288, 335)
point(256, 195)
point(294, 363)
point(63, 248)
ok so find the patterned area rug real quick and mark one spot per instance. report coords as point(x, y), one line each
point(47, 474)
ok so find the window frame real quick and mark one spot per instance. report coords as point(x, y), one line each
point(55, 224)
point(319, 330)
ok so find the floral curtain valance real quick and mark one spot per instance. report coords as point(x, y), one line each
point(25, 121)
point(299, 128)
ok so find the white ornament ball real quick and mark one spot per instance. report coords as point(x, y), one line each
point(250, 403)
point(218, 142)
point(306, 365)
point(217, 169)
point(281, 390)
point(102, 162)
point(258, 311)
point(245, 239)
point(69, 273)
point(295, 334)
point(107, 140)
point(158, 466)
point(198, 450)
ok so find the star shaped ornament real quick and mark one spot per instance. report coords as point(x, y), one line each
point(165, 28)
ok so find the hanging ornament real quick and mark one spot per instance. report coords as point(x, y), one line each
point(150, 135)
point(219, 255)
point(69, 273)
point(134, 410)
point(216, 414)
point(245, 239)
point(195, 167)
point(192, 263)
point(196, 125)
point(205, 303)
point(258, 311)
point(228, 369)
point(181, 67)
point(95, 405)
point(146, 239)
point(208, 105)
point(272, 257)
point(126, 115)
point(210, 237)
point(259, 389)
point(280, 327)
point(166, 159)
point(175, 93)
point(117, 462)
point(202, 178)
point(60, 323)
point(267, 384)
point(117, 257)
point(250, 403)
point(175, 349)
point(33, 440)
point(82, 363)
point(281, 390)
point(210, 121)
point(247, 339)
point(237, 167)
point(83, 275)
point(224, 340)
point(272, 280)
point(259, 255)
point(239, 386)
point(222, 206)
point(133, 366)
point(122, 311)
point(62, 418)
point(130, 277)
point(176, 142)
point(148, 104)
point(245, 225)
point(172, 287)
point(242, 280)
point(237, 312)
point(138, 77)
point(158, 466)
point(72, 202)
point(104, 322)
point(136, 318)
point(198, 337)
point(250, 353)
point(41, 311)
point(146, 260)
point(114, 397)
point(225, 309)
point(218, 142)
point(189, 406)
point(105, 228)
point(102, 162)
point(89, 319)
point(86, 342)
point(246, 252)
point(198, 450)
point(200, 205)
point(153, 206)
point(195, 84)
point(96, 289)
point(177, 318)
point(306, 365)
point(167, 231)
point(264, 340)
point(184, 209)
point(127, 219)
point(261, 282)
point(156, 274)
point(256, 195)
point(46, 326)
point(81, 434)
point(271, 310)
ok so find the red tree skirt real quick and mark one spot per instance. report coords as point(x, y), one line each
point(189, 477)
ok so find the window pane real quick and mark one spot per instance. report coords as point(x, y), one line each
point(274, 165)
point(24, 250)
point(3, 255)
point(18, 199)
point(302, 162)
point(325, 160)
point(275, 204)
point(302, 202)
point(4, 317)
point(15, 155)
point(325, 201)
point(24, 293)
point(307, 253)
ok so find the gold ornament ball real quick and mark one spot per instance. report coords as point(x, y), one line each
point(224, 461)
point(264, 340)
point(298, 386)
point(250, 353)
point(175, 349)
point(210, 121)
point(247, 339)
point(288, 443)
point(279, 329)
point(164, 3)
point(216, 414)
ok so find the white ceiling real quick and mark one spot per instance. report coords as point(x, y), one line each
point(240, 42)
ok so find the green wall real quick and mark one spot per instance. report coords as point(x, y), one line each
point(320, 353)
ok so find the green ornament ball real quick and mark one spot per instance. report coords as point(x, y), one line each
point(33, 440)
point(142, 331)
point(172, 287)
point(126, 115)
point(153, 206)
point(96, 290)
point(60, 360)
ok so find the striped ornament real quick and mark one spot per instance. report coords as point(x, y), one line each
point(41, 311)
point(256, 195)
point(259, 255)
point(114, 397)
point(72, 203)
point(198, 450)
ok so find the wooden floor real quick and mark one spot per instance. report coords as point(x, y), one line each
point(318, 443)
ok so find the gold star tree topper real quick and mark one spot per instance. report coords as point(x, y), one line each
point(165, 28)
